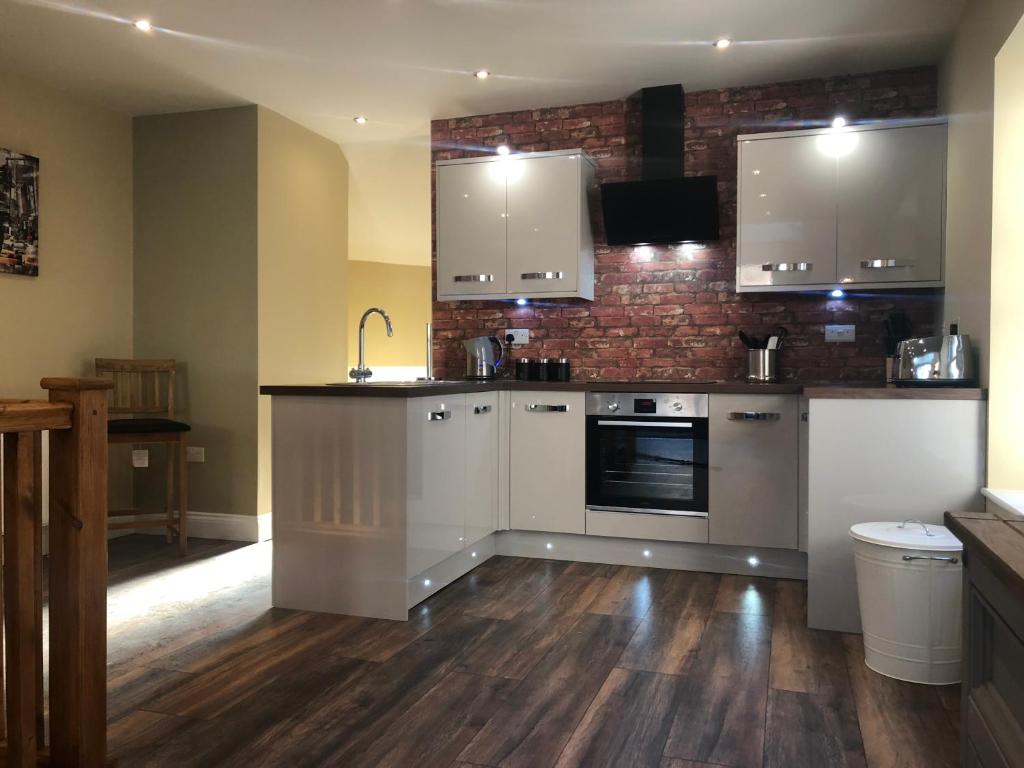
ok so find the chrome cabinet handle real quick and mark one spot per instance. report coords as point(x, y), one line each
point(951, 560)
point(438, 415)
point(799, 266)
point(753, 416)
point(542, 275)
point(473, 278)
point(542, 408)
point(885, 264)
point(481, 409)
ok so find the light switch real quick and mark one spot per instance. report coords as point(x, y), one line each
point(140, 458)
point(196, 454)
point(840, 333)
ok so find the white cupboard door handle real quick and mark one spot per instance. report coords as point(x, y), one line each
point(541, 408)
point(481, 409)
point(542, 275)
point(799, 266)
point(438, 415)
point(753, 416)
point(473, 278)
point(885, 264)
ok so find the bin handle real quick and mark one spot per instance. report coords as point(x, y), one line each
point(919, 522)
point(944, 559)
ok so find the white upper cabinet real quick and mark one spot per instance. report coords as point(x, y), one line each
point(787, 213)
point(863, 207)
point(890, 206)
point(517, 226)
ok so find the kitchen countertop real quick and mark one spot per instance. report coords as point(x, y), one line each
point(429, 388)
point(997, 535)
point(882, 392)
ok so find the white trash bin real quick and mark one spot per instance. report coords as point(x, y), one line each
point(909, 583)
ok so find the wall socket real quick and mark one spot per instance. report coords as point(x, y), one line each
point(140, 458)
point(519, 336)
point(196, 454)
point(841, 333)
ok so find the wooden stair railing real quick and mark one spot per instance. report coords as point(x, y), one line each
point(76, 416)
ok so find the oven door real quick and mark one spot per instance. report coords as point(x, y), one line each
point(648, 464)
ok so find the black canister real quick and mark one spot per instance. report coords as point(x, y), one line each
point(558, 370)
point(539, 370)
point(523, 369)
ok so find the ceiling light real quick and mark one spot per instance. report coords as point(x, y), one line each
point(359, 120)
point(839, 122)
point(143, 25)
point(481, 74)
point(503, 149)
point(723, 43)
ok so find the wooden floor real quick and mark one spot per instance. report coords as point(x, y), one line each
point(521, 663)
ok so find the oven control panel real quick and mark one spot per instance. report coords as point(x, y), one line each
point(647, 404)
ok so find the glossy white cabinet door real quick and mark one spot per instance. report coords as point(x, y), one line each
point(787, 212)
point(753, 493)
point(544, 225)
point(892, 188)
point(471, 220)
point(482, 435)
point(435, 479)
point(547, 482)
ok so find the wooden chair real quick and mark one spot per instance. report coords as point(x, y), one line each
point(143, 389)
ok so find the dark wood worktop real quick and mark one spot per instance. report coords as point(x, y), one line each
point(431, 388)
point(881, 392)
point(997, 535)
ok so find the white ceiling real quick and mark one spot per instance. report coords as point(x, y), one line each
point(404, 62)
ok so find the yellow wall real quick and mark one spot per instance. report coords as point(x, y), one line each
point(303, 243)
point(403, 291)
point(966, 95)
point(196, 290)
point(80, 305)
point(1006, 404)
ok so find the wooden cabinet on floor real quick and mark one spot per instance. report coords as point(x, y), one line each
point(547, 490)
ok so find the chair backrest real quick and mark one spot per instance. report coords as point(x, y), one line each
point(140, 386)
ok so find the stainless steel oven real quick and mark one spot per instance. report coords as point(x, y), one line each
point(647, 452)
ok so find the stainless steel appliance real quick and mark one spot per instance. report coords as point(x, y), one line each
point(480, 361)
point(647, 452)
point(936, 361)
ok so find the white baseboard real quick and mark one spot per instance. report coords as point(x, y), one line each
point(214, 525)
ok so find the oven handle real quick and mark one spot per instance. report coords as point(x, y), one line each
point(658, 424)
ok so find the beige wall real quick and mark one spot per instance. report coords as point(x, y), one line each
point(80, 305)
point(1006, 406)
point(966, 94)
point(404, 292)
point(303, 243)
point(196, 290)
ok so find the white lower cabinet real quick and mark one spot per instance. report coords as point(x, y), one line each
point(435, 480)
point(753, 488)
point(547, 487)
point(482, 436)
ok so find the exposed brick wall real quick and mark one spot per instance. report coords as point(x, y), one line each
point(671, 312)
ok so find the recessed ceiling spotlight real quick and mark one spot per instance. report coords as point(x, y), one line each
point(481, 74)
point(143, 25)
point(359, 120)
point(723, 43)
point(839, 122)
point(837, 293)
point(503, 149)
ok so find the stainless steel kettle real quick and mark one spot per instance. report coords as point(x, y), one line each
point(480, 362)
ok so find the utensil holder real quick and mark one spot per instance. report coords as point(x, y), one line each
point(762, 366)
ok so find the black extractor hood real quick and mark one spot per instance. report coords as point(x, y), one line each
point(665, 207)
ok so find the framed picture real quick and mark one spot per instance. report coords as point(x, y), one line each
point(19, 213)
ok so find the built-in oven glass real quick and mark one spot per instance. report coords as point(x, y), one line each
point(652, 464)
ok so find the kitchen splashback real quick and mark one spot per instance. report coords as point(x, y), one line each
point(671, 312)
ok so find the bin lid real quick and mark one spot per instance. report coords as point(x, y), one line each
point(908, 535)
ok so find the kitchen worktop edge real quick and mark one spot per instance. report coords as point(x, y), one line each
point(430, 388)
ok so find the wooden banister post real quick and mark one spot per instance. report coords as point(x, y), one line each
point(78, 575)
point(22, 614)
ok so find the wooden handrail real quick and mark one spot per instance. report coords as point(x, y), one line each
point(76, 415)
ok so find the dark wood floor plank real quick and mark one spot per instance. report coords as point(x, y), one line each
point(903, 725)
point(745, 594)
point(675, 762)
point(130, 687)
point(131, 739)
point(538, 717)
point(725, 693)
point(812, 730)
point(672, 629)
point(503, 586)
point(804, 660)
point(630, 592)
point(627, 724)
